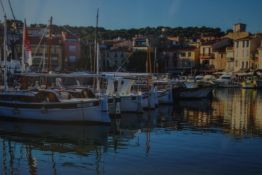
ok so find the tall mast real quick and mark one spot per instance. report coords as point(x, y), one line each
point(97, 69)
point(5, 55)
point(155, 66)
point(23, 48)
point(96, 56)
point(95, 44)
point(49, 44)
point(5, 48)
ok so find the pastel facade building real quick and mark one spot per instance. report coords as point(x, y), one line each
point(71, 50)
point(40, 54)
point(206, 54)
point(245, 50)
point(140, 43)
point(181, 59)
point(114, 54)
point(220, 51)
point(259, 53)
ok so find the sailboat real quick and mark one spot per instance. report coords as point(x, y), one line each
point(48, 104)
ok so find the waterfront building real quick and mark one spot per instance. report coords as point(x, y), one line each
point(244, 48)
point(140, 43)
point(181, 59)
point(259, 53)
point(229, 59)
point(220, 53)
point(114, 54)
point(71, 50)
point(40, 53)
point(245, 52)
point(207, 55)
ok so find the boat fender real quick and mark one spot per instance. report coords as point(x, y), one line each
point(117, 101)
point(47, 99)
point(104, 103)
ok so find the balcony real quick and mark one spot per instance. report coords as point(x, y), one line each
point(230, 59)
point(207, 56)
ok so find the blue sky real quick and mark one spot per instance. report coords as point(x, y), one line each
point(115, 14)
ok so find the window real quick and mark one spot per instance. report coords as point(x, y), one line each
point(72, 48)
point(247, 43)
point(243, 44)
point(182, 54)
point(243, 64)
point(236, 44)
point(247, 65)
point(72, 59)
point(189, 54)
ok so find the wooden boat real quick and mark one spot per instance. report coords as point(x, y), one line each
point(49, 105)
point(183, 91)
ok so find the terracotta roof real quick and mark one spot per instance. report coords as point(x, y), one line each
point(237, 35)
point(222, 44)
point(173, 38)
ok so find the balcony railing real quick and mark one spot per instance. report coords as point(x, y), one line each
point(230, 59)
point(207, 56)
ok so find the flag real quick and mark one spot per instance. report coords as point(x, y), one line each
point(26, 46)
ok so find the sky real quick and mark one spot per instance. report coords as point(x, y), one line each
point(118, 14)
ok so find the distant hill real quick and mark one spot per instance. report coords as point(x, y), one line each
point(88, 32)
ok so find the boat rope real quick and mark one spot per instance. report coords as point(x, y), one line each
point(2, 5)
point(10, 5)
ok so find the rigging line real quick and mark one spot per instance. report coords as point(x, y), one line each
point(3, 7)
point(10, 5)
point(67, 30)
point(37, 48)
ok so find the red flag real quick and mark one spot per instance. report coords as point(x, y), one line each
point(27, 47)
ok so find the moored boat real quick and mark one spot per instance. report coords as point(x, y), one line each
point(249, 83)
point(181, 91)
point(48, 105)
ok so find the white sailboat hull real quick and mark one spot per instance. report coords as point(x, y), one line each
point(80, 112)
point(127, 104)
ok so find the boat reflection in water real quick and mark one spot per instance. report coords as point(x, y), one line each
point(186, 138)
point(32, 148)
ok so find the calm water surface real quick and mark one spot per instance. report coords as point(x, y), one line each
point(218, 136)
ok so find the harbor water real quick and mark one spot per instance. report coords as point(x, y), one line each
point(222, 135)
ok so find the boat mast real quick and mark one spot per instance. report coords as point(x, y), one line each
point(49, 44)
point(96, 60)
point(155, 70)
point(97, 69)
point(5, 54)
point(95, 44)
point(23, 48)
